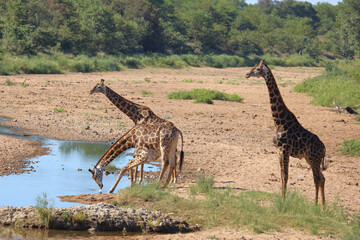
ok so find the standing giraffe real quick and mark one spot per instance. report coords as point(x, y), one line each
point(140, 114)
point(145, 139)
point(291, 138)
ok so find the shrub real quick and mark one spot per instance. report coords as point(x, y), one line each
point(204, 95)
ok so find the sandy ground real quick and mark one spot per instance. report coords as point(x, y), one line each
point(231, 141)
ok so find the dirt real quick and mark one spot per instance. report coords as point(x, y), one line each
point(231, 141)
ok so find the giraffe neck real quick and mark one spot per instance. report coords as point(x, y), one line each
point(281, 114)
point(120, 146)
point(126, 106)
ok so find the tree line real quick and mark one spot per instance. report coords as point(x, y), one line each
point(92, 27)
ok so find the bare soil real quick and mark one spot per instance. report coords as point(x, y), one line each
point(231, 141)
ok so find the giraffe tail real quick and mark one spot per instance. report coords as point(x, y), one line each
point(323, 163)
point(181, 152)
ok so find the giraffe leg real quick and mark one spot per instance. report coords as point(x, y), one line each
point(163, 169)
point(141, 173)
point(319, 181)
point(132, 180)
point(284, 165)
point(141, 156)
point(135, 174)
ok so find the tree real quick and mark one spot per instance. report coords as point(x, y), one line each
point(349, 23)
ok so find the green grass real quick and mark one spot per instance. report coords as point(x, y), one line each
point(8, 83)
point(350, 147)
point(258, 211)
point(340, 83)
point(204, 96)
point(60, 110)
point(145, 93)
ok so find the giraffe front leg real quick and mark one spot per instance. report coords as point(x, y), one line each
point(284, 166)
point(141, 173)
point(140, 158)
point(122, 172)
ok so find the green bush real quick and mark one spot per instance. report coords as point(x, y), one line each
point(204, 96)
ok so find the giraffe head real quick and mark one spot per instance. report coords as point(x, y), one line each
point(259, 70)
point(99, 87)
point(97, 175)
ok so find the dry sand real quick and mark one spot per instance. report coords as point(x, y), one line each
point(231, 141)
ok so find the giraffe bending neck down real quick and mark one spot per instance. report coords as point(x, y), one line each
point(139, 114)
point(291, 138)
point(146, 149)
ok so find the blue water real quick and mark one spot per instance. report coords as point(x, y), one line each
point(64, 171)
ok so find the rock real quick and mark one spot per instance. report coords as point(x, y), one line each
point(96, 217)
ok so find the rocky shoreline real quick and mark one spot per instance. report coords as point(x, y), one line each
point(96, 217)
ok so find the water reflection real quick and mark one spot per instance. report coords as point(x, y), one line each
point(62, 172)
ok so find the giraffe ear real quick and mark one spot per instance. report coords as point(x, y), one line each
point(261, 62)
point(102, 80)
point(91, 171)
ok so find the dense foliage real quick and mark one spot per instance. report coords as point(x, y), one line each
point(93, 27)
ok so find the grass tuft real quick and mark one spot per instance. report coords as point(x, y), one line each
point(350, 147)
point(204, 96)
point(60, 110)
point(44, 207)
point(145, 93)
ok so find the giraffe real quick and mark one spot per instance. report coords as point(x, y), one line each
point(291, 138)
point(136, 112)
point(145, 139)
point(142, 114)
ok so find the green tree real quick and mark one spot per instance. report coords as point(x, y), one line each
point(349, 23)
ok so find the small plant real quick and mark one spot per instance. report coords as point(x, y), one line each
point(147, 79)
point(66, 216)
point(24, 84)
point(79, 217)
point(59, 110)
point(146, 93)
point(358, 118)
point(44, 207)
point(188, 80)
point(167, 117)
point(351, 147)
point(8, 82)
point(122, 124)
point(220, 82)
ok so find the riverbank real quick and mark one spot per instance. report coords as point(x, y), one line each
point(230, 141)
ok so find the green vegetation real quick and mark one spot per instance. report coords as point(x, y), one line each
point(60, 110)
point(8, 82)
point(43, 36)
point(340, 83)
point(204, 96)
point(145, 93)
point(44, 207)
point(257, 211)
point(351, 147)
point(112, 169)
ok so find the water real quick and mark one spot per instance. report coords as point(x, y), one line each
point(64, 171)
